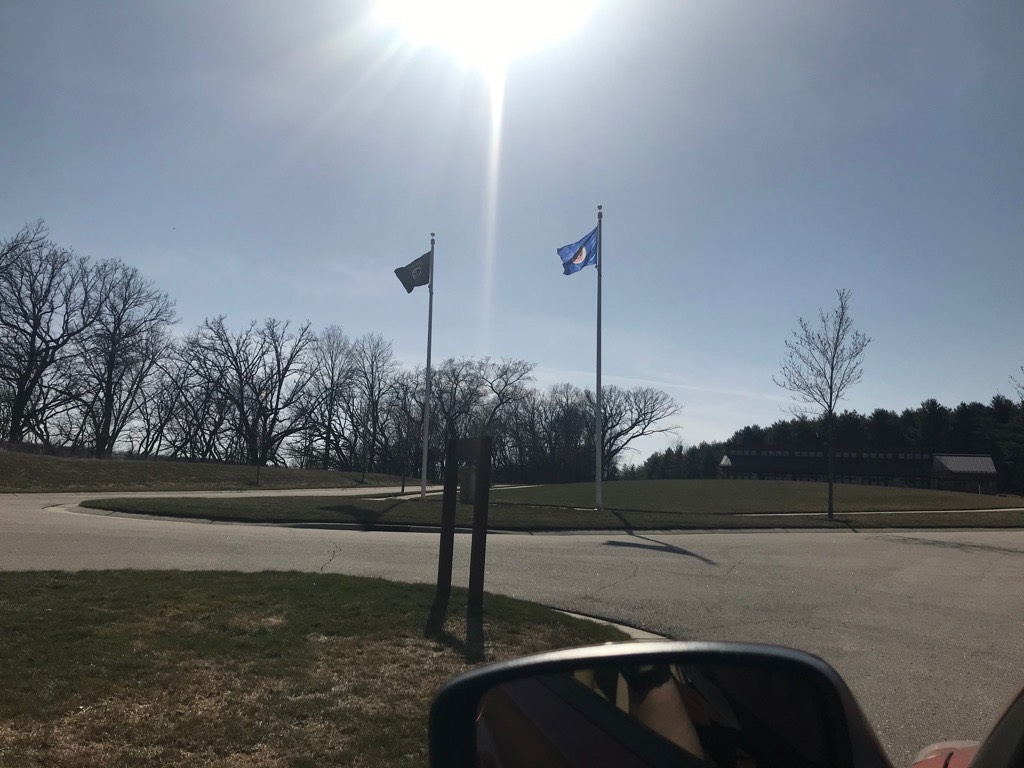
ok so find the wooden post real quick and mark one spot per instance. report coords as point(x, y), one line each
point(478, 548)
point(447, 550)
point(478, 451)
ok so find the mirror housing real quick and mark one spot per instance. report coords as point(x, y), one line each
point(1002, 748)
point(1004, 745)
point(490, 716)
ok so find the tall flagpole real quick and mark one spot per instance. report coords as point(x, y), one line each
point(597, 416)
point(426, 405)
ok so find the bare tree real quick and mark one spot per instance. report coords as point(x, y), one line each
point(121, 350)
point(5, 409)
point(822, 362)
point(333, 369)
point(53, 416)
point(549, 436)
point(1011, 436)
point(505, 384)
point(403, 441)
point(47, 301)
point(263, 373)
point(182, 411)
point(160, 402)
point(629, 414)
point(457, 391)
point(375, 369)
point(25, 240)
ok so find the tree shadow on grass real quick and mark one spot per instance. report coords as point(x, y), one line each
point(659, 546)
point(626, 525)
point(472, 648)
point(362, 515)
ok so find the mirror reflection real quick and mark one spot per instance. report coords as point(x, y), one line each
point(720, 715)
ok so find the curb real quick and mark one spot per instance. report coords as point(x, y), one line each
point(634, 633)
point(395, 528)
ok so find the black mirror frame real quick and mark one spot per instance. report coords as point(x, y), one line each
point(1004, 745)
point(454, 710)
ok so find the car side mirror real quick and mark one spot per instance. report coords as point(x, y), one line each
point(1004, 745)
point(659, 703)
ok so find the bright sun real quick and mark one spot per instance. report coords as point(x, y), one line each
point(486, 34)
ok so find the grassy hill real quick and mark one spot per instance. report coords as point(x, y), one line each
point(22, 472)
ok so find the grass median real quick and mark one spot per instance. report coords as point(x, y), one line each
point(382, 513)
point(747, 496)
point(196, 669)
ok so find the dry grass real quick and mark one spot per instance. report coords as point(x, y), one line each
point(165, 669)
point(23, 472)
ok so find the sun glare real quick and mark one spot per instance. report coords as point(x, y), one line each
point(486, 34)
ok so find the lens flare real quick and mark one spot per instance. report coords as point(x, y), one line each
point(486, 35)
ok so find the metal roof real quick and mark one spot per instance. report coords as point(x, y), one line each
point(973, 464)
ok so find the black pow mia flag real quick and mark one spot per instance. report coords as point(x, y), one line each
point(415, 272)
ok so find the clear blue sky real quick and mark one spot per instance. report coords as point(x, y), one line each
point(281, 159)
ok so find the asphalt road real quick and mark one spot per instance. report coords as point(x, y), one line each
point(924, 626)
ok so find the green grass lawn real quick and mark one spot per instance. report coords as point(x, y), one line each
point(202, 669)
point(21, 472)
point(748, 510)
point(761, 496)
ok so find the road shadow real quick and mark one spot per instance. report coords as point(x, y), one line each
point(658, 546)
point(962, 546)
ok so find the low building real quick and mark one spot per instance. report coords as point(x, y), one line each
point(908, 469)
point(972, 473)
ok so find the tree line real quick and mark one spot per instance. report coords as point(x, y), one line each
point(822, 362)
point(91, 363)
point(996, 429)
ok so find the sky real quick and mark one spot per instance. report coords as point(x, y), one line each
point(266, 159)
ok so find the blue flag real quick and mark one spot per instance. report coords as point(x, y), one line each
point(580, 254)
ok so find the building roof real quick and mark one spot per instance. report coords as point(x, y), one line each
point(725, 462)
point(959, 464)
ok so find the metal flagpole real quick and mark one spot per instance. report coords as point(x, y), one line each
point(597, 416)
point(426, 405)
